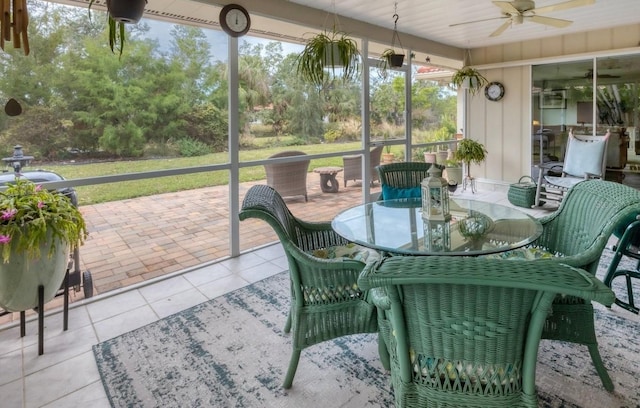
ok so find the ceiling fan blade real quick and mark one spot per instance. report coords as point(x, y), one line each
point(550, 21)
point(501, 29)
point(506, 7)
point(562, 6)
point(478, 21)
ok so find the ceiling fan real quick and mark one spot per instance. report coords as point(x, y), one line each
point(519, 11)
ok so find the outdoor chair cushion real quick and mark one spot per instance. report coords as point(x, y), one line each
point(527, 253)
point(582, 157)
point(350, 251)
point(391, 193)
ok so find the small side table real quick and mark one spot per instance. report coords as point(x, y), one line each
point(328, 182)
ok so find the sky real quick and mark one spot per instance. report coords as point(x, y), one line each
point(218, 40)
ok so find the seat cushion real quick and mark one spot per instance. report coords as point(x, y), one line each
point(564, 182)
point(584, 157)
point(350, 251)
point(392, 193)
point(527, 253)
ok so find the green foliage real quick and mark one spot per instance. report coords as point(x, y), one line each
point(190, 147)
point(328, 52)
point(30, 216)
point(477, 81)
point(470, 151)
point(123, 140)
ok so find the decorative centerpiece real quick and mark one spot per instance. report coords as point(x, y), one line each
point(38, 227)
point(474, 227)
point(435, 196)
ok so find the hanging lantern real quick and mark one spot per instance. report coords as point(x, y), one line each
point(437, 235)
point(435, 196)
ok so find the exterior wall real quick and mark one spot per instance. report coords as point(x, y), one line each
point(504, 127)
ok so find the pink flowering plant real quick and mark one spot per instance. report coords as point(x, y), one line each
point(31, 215)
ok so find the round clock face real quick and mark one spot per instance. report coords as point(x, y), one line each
point(494, 91)
point(235, 20)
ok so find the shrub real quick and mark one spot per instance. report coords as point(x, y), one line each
point(191, 147)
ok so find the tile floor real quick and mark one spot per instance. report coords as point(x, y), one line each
point(67, 375)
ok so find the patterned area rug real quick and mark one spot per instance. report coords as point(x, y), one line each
point(232, 352)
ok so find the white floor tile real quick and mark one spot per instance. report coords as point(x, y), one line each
point(125, 322)
point(207, 274)
point(12, 394)
point(10, 367)
point(57, 381)
point(66, 345)
point(178, 302)
point(165, 288)
point(221, 286)
point(91, 396)
point(115, 305)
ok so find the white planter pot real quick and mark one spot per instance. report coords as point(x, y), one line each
point(429, 157)
point(21, 276)
point(453, 174)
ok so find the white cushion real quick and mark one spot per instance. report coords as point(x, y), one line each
point(564, 182)
point(584, 157)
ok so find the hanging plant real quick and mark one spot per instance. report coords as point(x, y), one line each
point(469, 78)
point(390, 58)
point(14, 20)
point(329, 55)
point(119, 13)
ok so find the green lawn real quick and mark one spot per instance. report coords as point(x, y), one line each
point(130, 189)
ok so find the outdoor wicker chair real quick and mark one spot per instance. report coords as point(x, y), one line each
point(353, 165)
point(326, 302)
point(403, 176)
point(578, 231)
point(464, 331)
point(289, 179)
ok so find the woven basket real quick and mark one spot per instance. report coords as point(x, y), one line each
point(523, 193)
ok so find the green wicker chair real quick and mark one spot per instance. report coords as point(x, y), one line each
point(579, 230)
point(326, 302)
point(464, 331)
point(404, 175)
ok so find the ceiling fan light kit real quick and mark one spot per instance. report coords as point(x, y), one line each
point(517, 12)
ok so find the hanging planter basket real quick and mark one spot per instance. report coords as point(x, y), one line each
point(396, 60)
point(126, 11)
point(22, 274)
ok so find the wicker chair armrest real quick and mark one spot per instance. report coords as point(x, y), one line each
point(352, 157)
point(545, 275)
point(379, 298)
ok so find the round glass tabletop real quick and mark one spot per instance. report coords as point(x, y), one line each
point(475, 228)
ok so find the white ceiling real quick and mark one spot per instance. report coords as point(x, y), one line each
point(428, 19)
point(431, 19)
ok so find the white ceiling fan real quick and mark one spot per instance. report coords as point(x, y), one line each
point(519, 11)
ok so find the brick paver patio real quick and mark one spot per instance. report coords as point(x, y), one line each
point(138, 239)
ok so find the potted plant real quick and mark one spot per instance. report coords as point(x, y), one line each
point(387, 156)
point(390, 59)
point(470, 151)
point(453, 171)
point(38, 227)
point(469, 78)
point(119, 13)
point(328, 52)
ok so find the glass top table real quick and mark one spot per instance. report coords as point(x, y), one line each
point(475, 228)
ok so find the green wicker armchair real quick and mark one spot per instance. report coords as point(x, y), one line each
point(464, 331)
point(404, 175)
point(579, 230)
point(326, 301)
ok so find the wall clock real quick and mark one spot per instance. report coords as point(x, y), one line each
point(235, 20)
point(494, 91)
